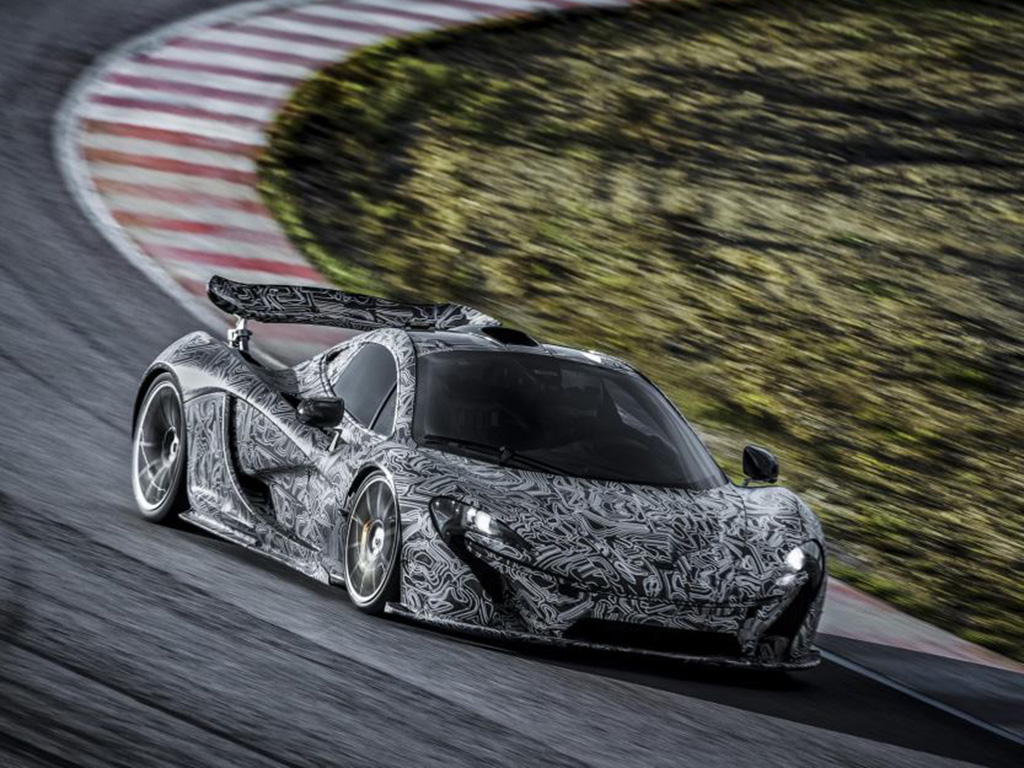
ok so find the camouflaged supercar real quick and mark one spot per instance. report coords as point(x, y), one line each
point(453, 471)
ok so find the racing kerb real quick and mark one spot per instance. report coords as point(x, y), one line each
point(158, 143)
point(158, 140)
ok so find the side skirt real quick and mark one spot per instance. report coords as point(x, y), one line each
point(219, 529)
point(268, 543)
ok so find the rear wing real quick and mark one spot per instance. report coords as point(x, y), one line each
point(326, 306)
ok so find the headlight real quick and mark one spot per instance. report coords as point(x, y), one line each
point(795, 560)
point(805, 558)
point(455, 518)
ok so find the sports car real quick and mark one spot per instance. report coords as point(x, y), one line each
point(451, 470)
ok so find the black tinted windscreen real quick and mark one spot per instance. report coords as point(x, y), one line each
point(585, 420)
point(363, 384)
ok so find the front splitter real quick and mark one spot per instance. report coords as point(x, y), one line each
point(812, 659)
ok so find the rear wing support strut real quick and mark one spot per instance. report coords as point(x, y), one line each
point(238, 337)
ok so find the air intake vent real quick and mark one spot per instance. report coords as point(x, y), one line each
point(652, 638)
point(509, 336)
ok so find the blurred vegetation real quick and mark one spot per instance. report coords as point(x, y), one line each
point(804, 220)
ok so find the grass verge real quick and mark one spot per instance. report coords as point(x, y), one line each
point(804, 220)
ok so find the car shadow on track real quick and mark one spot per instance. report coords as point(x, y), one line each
point(830, 697)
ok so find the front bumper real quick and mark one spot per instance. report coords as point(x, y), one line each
point(808, 661)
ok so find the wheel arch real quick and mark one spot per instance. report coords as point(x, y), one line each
point(147, 380)
point(374, 466)
point(364, 472)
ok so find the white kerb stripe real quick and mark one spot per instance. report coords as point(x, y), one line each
point(521, 5)
point(215, 244)
point(201, 272)
point(207, 103)
point(203, 214)
point(511, 6)
point(325, 52)
point(233, 61)
point(398, 23)
point(178, 182)
point(228, 161)
point(427, 9)
point(340, 36)
point(172, 76)
point(198, 126)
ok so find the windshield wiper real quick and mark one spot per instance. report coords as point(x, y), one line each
point(460, 442)
point(508, 454)
point(503, 454)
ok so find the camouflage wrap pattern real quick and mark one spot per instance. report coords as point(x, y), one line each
point(710, 562)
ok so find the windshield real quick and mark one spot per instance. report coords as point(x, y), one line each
point(540, 412)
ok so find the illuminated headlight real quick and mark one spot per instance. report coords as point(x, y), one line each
point(805, 558)
point(480, 521)
point(455, 518)
point(795, 560)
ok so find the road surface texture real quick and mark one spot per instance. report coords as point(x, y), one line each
point(124, 643)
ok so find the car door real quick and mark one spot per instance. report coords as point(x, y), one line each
point(364, 376)
point(367, 382)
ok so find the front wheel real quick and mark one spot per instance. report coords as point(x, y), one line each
point(373, 539)
point(158, 452)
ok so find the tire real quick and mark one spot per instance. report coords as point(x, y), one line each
point(158, 452)
point(372, 545)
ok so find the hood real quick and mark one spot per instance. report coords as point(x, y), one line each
point(720, 546)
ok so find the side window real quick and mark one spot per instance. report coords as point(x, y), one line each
point(384, 424)
point(366, 382)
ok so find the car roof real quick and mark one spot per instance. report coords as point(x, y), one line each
point(479, 339)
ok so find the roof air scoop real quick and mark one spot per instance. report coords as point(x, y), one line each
point(509, 336)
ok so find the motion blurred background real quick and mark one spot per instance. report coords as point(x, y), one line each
point(805, 220)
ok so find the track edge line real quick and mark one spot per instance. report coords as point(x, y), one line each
point(924, 698)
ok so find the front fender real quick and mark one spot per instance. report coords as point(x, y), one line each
point(435, 579)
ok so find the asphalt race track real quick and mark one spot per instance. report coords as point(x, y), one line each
point(124, 643)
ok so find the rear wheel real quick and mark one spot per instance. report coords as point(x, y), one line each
point(373, 539)
point(158, 452)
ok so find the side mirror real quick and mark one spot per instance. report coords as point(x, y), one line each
point(759, 465)
point(321, 412)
